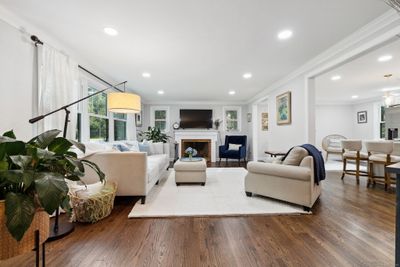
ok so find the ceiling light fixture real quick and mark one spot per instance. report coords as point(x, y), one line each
point(285, 34)
point(354, 96)
point(146, 75)
point(232, 92)
point(247, 75)
point(160, 92)
point(336, 78)
point(110, 31)
point(385, 58)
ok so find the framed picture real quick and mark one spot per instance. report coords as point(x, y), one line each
point(138, 119)
point(284, 108)
point(248, 117)
point(264, 121)
point(362, 117)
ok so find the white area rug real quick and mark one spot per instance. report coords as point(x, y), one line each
point(223, 194)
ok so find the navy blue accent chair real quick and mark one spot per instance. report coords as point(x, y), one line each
point(233, 154)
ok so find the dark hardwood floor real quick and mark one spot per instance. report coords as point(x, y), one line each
point(351, 225)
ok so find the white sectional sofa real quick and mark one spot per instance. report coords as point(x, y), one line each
point(135, 172)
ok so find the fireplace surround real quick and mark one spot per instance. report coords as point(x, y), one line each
point(204, 141)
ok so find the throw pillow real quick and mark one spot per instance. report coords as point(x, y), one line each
point(234, 147)
point(133, 146)
point(156, 148)
point(295, 156)
point(144, 148)
point(121, 147)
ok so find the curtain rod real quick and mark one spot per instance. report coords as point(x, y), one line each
point(37, 42)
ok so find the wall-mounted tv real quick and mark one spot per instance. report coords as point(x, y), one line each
point(196, 118)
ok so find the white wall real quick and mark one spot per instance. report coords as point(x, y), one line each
point(333, 119)
point(369, 130)
point(342, 119)
point(283, 137)
point(262, 136)
point(17, 79)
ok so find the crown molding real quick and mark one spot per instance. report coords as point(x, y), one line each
point(356, 39)
point(204, 103)
point(349, 103)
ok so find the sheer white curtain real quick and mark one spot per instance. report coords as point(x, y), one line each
point(58, 85)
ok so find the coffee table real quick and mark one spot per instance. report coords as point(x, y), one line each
point(190, 172)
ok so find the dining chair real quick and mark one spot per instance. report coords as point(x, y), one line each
point(351, 151)
point(380, 153)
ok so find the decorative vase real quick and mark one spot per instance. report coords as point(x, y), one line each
point(11, 247)
point(190, 156)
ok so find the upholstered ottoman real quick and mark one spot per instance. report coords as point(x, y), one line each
point(192, 172)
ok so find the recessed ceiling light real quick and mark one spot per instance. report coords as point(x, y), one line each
point(247, 75)
point(285, 34)
point(385, 58)
point(111, 31)
point(160, 92)
point(336, 78)
point(354, 96)
point(146, 75)
point(232, 92)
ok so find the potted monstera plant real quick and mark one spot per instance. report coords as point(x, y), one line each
point(33, 178)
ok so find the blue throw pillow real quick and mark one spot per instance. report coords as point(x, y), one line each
point(121, 147)
point(144, 148)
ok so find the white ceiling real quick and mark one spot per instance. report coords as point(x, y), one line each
point(198, 50)
point(362, 76)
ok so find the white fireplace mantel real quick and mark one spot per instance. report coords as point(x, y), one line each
point(211, 135)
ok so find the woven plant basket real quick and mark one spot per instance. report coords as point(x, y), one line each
point(10, 247)
point(95, 207)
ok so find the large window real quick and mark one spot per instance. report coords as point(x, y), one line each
point(382, 124)
point(98, 116)
point(160, 118)
point(232, 117)
point(95, 122)
point(119, 126)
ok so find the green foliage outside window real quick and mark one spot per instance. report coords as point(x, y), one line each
point(98, 129)
point(97, 104)
point(231, 120)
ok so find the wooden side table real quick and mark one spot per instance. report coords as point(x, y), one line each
point(395, 168)
point(274, 153)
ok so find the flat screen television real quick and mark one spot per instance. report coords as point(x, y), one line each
point(196, 118)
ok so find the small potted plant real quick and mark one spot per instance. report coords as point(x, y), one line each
point(217, 123)
point(33, 185)
point(190, 152)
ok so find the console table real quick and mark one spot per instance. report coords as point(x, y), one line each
point(395, 168)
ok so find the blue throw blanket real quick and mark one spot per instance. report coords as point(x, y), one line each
point(319, 163)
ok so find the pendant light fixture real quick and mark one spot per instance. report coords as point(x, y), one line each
point(123, 102)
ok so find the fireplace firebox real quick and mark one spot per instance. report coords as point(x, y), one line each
point(203, 147)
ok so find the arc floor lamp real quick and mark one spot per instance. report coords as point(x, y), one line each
point(118, 102)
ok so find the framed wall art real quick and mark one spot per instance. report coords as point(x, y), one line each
point(284, 108)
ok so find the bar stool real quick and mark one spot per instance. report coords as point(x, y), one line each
point(351, 150)
point(379, 152)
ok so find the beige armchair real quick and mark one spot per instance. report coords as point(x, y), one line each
point(332, 144)
point(294, 184)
